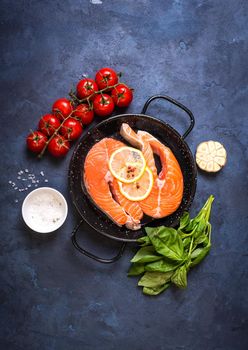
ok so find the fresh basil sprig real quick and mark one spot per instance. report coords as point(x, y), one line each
point(167, 254)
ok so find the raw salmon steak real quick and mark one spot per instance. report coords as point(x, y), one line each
point(167, 192)
point(104, 189)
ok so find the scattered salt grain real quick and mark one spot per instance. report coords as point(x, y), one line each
point(31, 179)
point(16, 201)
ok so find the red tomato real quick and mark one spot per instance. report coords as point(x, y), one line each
point(86, 87)
point(106, 77)
point(103, 105)
point(62, 108)
point(84, 113)
point(71, 129)
point(58, 146)
point(122, 95)
point(36, 141)
point(48, 124)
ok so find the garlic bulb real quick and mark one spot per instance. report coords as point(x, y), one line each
point(211, 156)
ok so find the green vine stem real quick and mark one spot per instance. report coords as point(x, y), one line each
point(87, 99)
point(77, 101)
point(40, 155)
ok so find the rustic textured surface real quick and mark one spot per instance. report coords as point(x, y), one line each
point(195, 51)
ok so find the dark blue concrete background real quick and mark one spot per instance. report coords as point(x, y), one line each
point(195, 51)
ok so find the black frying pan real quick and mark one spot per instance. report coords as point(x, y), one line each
point(111, 128)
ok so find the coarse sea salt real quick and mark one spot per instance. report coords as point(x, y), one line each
point(28, 179)
point(44, 211)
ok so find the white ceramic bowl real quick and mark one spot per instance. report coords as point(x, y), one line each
point(44, 210)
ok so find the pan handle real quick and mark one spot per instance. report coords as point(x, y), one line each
point(93, 256)
point(176, 103)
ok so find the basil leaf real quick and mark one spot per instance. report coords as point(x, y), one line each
point(190, 227)
point(199, 254)
point(179, 278)
point(186, 242)
point(202, 239)
point(184, 221)
point(161, 265)
point(145, 254)
point(144, 241)
point(155, 291)
point(166, 242)
point(196, 253)
point(204, 213)
point(154, 279)
point(136, 269)
point(200, 228)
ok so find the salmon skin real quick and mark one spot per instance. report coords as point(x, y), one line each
point(167, 192)
point(104, 189)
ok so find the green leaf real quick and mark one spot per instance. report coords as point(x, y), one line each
point(161, 265)
point(202, 239)
point(155, 291)
point(179, 278)
point(136, 269)
point(200, 228)
point(186, 242)
point(166, 242)
point(205, 211)
point(154, 279)
point(199, 254)
point(184, 221)
point(145, 254)
point(144, 241)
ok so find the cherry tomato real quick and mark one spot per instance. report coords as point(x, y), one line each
point(58, 146)
point(71, 129)
point(86, 87)
point(62, 108)
point(122, 95)
point(48, 124)
point(84, 113)
point(103, 105)
point(36, 141)
point(106, 77)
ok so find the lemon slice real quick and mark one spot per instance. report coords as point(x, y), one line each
point(140, 189)
point(127, 164)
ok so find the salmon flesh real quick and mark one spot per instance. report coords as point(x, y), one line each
point(166, 194)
